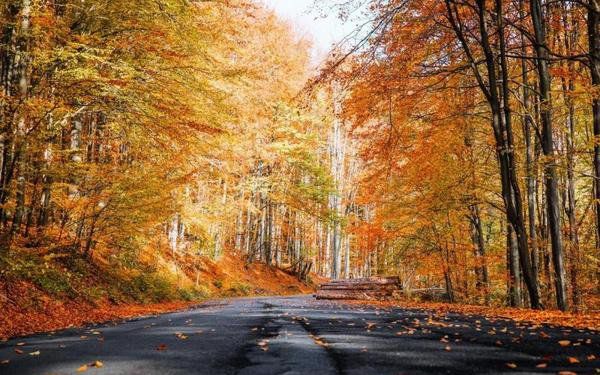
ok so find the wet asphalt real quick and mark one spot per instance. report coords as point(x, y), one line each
point(298, 335)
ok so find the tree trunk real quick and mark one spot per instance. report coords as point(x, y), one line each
point(550, 168)
point(481, 269)
point(569, 201)
point(593, 28)
point(239, 231)
point(531, 159)
point(499, 104)
point(515, 296)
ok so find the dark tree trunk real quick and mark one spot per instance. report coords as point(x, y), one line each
point(481, 269)
point(550, 167)
point(499, 103)
point(515, 296)
point(530, 159)
point(593, 27)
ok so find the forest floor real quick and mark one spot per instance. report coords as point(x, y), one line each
point(53, 298)
point(579, 320)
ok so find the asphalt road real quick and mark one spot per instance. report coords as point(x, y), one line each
point(297, 335)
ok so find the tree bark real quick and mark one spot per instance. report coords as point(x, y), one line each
point(481, 269)
point(515, 296)
point(550, 168)
point(499, 104)
point(593, 28)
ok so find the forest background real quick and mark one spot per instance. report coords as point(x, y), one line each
point(152, 150)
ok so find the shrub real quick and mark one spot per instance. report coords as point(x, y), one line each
point(53, 281)
point(153, 287)
point(240, 289)
point(218, 284)
point(192, 294)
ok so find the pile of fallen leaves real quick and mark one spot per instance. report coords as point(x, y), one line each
point(21, 315)
point(552, 317)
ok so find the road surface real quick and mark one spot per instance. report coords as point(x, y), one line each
point(298, 335)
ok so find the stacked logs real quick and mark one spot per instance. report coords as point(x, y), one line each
point(372, 288)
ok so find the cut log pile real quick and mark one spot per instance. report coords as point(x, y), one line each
point(372, 288)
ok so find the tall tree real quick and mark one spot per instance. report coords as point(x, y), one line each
point(547, 141)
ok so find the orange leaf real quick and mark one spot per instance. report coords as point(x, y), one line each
point(564, 343)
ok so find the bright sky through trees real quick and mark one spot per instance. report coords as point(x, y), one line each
point(323, 31)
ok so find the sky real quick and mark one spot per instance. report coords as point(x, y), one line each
point(324, 32)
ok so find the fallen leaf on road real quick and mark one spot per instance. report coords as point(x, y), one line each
point(161, 347)
point(567, 373)
point(572, 360)
point(447, 348)
point(591, 357)
point(511, 365)
point(542, 365)
point(4, 362)
point(20, 343)
point(19, 351)
point(37, 352)
point(97, 364)
point(564, 343)
point(264, 345)
point(319, 341)
point(82, 368)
